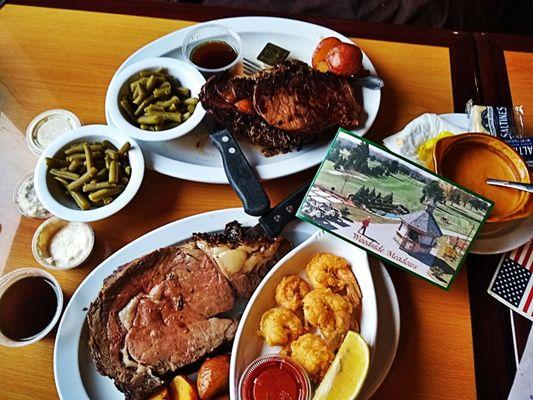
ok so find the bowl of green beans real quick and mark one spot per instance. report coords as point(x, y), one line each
point(155, 99)
point(89, 174)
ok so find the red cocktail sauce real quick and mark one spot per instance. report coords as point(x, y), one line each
point(275, 378)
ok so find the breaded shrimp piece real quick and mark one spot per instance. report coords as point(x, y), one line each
point(291, 291)
point(313, 354)
point(329, 312)
point(280, 326)
point(326, 270)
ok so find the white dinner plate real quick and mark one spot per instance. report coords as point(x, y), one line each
point(496, 238)
point(74, 372)
point(192, 156)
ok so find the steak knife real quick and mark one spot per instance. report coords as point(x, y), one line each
point(240, 174)
point(273, 222)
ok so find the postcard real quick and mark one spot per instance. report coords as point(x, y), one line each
point(394, 209)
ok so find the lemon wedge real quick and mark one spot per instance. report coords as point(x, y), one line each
point(347, 373)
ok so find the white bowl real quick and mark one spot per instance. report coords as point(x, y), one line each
point(7, 280)
point(247, 345)
point(50, 193)
point(188, 76)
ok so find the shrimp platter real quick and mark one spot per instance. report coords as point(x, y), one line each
point(306, 305)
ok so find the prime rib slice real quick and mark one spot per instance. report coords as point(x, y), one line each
point(160, 312)
point(292, 105)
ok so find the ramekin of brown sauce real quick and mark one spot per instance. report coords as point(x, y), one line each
point(31, 302)
point(212, 48)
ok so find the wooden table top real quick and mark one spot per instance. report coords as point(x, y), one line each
point(504, 62)
point(54, 58)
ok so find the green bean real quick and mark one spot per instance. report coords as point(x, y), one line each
point(173, 100)
point(103, 193)
point(127, 170)
point(102, 173)
point(75, 165)
point(153, 107)
point(174, 117)
point(113, 172)
point(151, 83)
point(80, 200)
point(162, 91)
point(107, 200)
point(124, 149)
point(143, 105)
point(150, 119)
point(144, 126)
point(191, 101)
point(186, 116)
point(55, 162)
point(173, 108)
point(86, 177)
point(108, 145)
point(88, 158)
point(190, 108)
point(127, 108)
point(111, 153)
point(61, 180)
point(141, 95)
point(91, 187)
point(64, 174)
point(183, 91)
point(82, 156)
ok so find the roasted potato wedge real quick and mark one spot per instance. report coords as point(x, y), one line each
point(213, 377)
point(182, 388)
point(161, 394)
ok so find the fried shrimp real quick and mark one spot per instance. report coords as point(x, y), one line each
point(291, 291)
point(313, 354)
point(326, 270)
point(329, 312)
point(280, 326)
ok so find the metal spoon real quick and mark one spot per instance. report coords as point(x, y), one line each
point(526, 187)
point(370, 82)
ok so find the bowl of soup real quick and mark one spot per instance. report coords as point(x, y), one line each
point(472, 158)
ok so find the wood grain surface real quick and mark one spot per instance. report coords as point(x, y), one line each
point(54, 58)
point(519, 65)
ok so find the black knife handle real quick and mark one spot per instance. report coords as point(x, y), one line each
point(276, 219)
point(240, 174)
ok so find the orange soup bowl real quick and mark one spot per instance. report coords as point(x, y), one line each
point(471, 158)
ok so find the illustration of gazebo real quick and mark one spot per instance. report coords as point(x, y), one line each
point(418, 232)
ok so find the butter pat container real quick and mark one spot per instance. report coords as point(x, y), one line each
point(48, 126)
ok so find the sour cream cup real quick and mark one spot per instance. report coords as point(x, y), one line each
point(7, 280)
point(43, 236)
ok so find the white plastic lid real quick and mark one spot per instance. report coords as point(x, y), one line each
point(47, 126)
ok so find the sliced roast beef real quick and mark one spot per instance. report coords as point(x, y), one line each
point(160, 312)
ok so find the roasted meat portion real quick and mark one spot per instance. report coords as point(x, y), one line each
point(283, 107)
point(161, 311)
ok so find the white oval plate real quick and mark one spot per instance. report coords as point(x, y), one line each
point(75, 374)
point(496, 238)
point(192, 156)
point(248, 345)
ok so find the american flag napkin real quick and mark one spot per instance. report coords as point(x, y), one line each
point(512, 283)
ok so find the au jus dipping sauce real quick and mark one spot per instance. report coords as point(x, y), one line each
point(213, 54)
point(27, 307)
